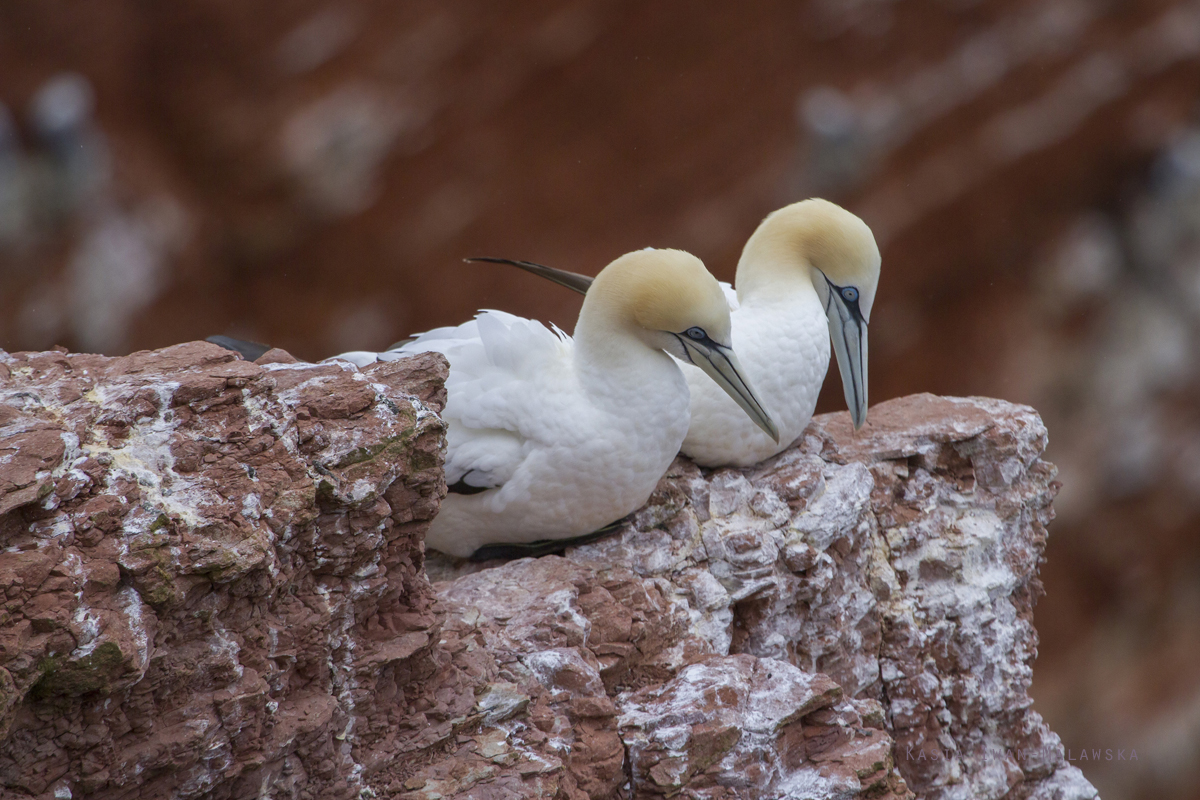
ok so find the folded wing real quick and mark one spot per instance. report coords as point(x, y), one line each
point(508, 377)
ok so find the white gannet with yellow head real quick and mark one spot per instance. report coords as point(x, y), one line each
point(553, 437)
point(807, 276)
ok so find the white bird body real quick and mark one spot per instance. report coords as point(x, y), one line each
point(584, 448)
point(783, 341)
point(553, 437)
point(807, 276)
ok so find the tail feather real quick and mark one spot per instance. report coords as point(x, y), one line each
point(572, 280)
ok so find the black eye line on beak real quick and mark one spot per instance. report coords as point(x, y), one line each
point(683, 345)
point(717, 349)
point(851, 305)
point(706, 341)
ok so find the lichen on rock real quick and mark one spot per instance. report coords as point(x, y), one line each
point(208, 565)
point(215, 586)
point(852, 618)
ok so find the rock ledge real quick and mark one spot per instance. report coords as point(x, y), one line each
point(850, 619)
point(212, 570)
point(215, 587)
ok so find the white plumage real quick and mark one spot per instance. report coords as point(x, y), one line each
point(783, 341)
point(556, 436)
point(566, 460)
point(807, 276)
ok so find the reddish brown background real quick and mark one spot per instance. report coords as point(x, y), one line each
point(1000, 150)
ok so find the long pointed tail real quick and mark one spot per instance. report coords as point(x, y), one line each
point(572, 280)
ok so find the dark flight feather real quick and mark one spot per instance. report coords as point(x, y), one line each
point(572, 280)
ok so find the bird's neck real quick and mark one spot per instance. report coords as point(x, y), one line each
point(772, 280)
point(612, 360)
point(770, 268)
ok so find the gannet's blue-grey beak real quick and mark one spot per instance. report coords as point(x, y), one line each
point(848, 332)
point(718, 361)
point(721, 364)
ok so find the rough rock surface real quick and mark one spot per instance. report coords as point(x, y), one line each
point(850, 619)
point(215, 588)
point(212, 570)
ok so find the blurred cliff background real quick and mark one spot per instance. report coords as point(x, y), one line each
point(310, 174)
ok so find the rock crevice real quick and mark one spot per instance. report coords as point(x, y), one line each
point(215, 587)
point(850, 619)
point(211, 570)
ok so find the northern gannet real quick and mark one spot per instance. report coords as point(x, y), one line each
point(806, 276)
point(552, 437)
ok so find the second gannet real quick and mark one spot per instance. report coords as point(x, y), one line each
point(552, 437)
point(807, 276)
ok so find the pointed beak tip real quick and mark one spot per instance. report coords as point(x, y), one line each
point(729, 377)
point(762, 420)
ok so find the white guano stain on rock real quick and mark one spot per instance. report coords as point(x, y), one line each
point(175, 530)
point(850, 619)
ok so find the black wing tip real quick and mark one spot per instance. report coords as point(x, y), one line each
point(542, 547)
point(507, 552)
point(462, 487)
point(250, 351)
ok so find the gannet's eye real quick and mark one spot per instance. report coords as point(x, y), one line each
point(696, 333)
point(850, 294)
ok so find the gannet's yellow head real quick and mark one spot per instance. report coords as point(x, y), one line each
point(666, 290)
point(815, 235)
point(671, 302)
point(837, 252)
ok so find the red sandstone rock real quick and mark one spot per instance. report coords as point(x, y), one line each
point(215, 583)
point(740, 726)
point(850, 619)
point(211, 569)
